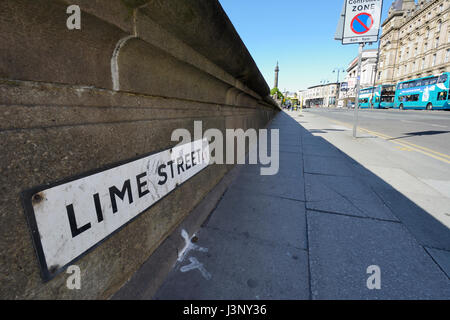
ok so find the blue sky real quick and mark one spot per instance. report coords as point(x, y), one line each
point(297, 33)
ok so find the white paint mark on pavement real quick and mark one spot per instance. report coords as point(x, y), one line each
point(188, 246)
point(195, 264)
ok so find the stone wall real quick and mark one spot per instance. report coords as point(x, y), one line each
point(72, 101)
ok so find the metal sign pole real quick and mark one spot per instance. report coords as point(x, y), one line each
point(358, 79)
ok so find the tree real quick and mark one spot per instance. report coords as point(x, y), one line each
point(278, 92)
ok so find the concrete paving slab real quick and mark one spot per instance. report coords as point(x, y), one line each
point(278, 185)
point(345, 195)
point(342, 248)
point(258, 247)
point(426, 229)
point(289, 141)
point(289, 148)
point(327, 165)
point(285, 169)
point(239, 268)
point(442, 186)
point(401, 179)
point(442, 258)
point(321, 150)
point(308, 138)
point(263, 217)
point(290, 164)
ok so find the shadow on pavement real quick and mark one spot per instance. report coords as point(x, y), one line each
point(420, 133)
point(311, 232)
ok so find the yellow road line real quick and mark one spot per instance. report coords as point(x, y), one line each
point(426, 151)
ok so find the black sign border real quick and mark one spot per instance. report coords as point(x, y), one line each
point(27, 196)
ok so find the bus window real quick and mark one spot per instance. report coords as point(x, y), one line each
point(410, 98)
point(433, 81)
point(442, 95)
point(443, 78)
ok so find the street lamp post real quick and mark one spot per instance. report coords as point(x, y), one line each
point(338, 70)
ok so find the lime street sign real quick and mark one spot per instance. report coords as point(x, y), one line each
point(362, 21)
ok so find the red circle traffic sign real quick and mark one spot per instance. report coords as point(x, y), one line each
point(362, 23)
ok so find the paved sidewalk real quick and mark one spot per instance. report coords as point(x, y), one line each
point(310, 232)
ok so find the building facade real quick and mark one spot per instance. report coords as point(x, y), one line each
point(415, 41)
point(301, 94)
point(321, 95)
point(347, 92)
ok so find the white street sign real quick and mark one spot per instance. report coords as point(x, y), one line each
point(73, 216)
point(362, 21)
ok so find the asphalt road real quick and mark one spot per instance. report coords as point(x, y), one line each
point(429, 129)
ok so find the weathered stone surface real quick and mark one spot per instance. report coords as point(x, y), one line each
point(144, 67)
point(116, 12)
point(44, 153)
point(35, 44)
point(60, 118)
point(206, 27)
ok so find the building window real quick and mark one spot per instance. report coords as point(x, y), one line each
point(423, 63)
point(447, 55)
point(434, 60)
point(438, 27)
point(437, 42)
point(441, 8)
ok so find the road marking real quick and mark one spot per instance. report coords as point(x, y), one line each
point(426, 151)
point(404, 148)
point(429, 124)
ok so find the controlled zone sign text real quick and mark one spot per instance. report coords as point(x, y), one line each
point(70, 217)
point(362, 21)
